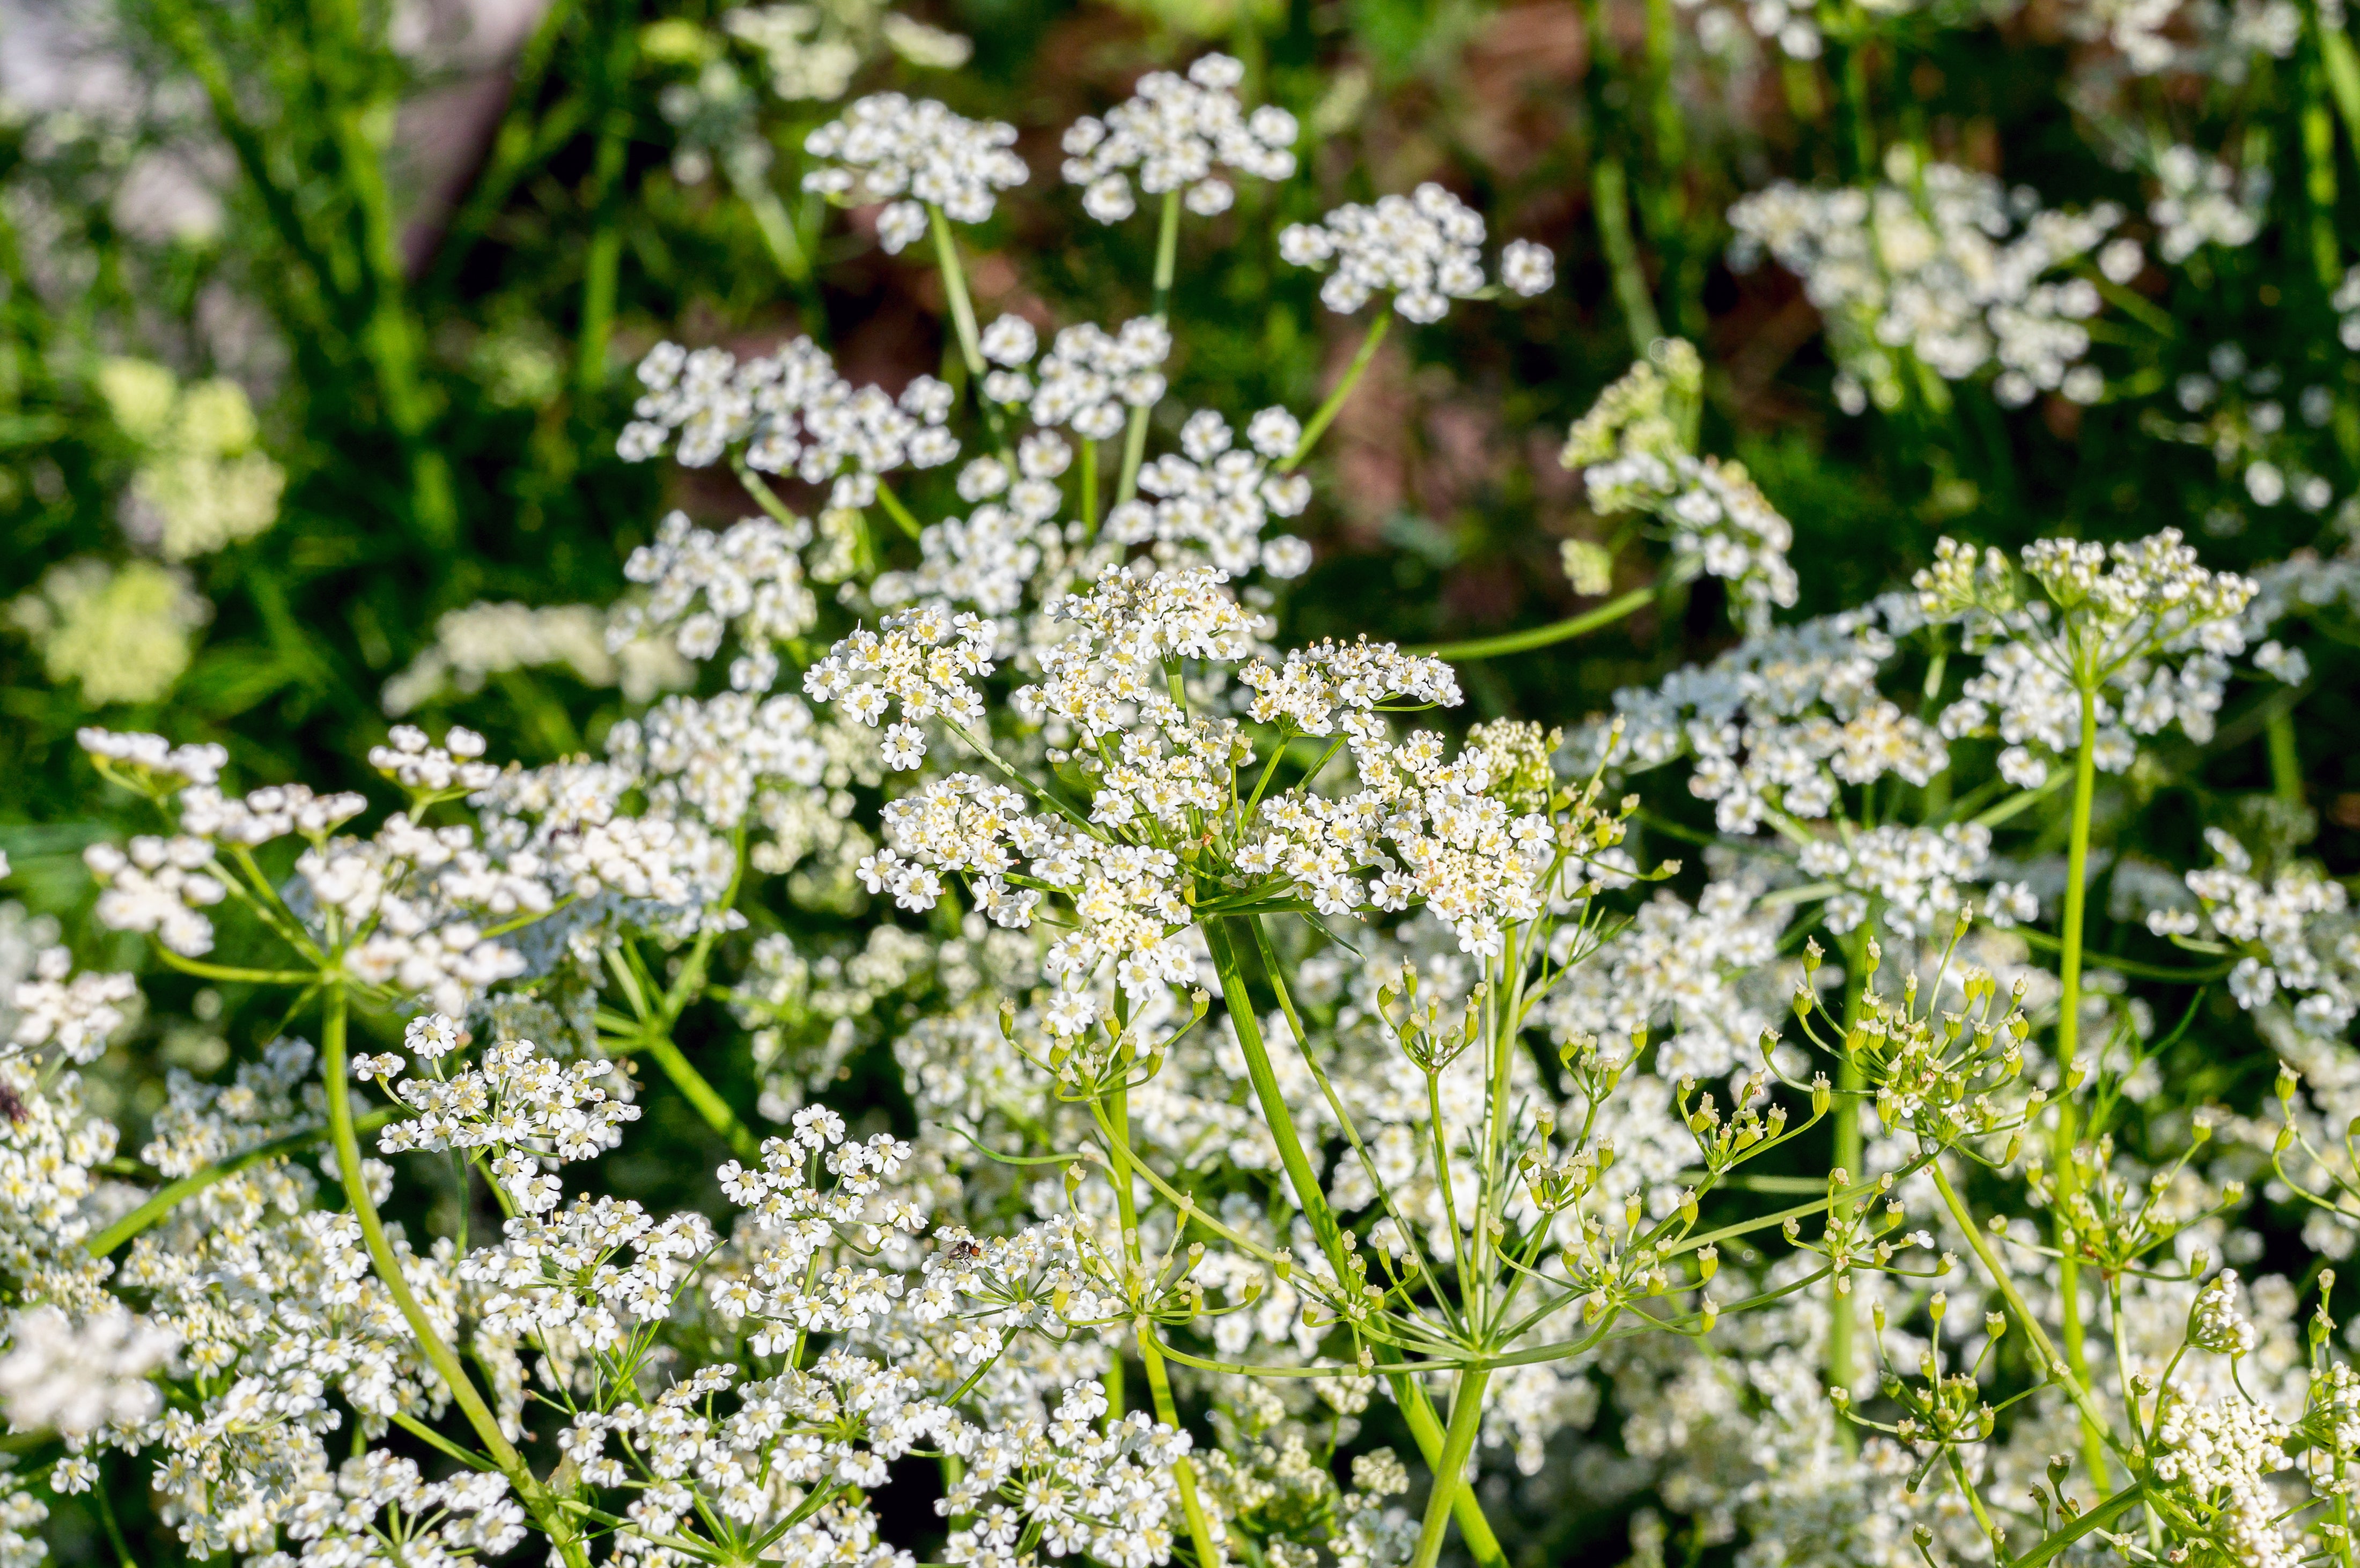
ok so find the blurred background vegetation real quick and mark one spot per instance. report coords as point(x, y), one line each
point(317, 320)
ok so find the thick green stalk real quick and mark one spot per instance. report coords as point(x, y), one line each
point(113, 1530)
point(2337, 58)
point(388, 335)
point(1665, 201)
point(336, 1075)
point(389, 340)
point(777, 230)
point(513, 150)
point(1159, 1383)
point(2099, 1518)
point(1450, 1468)
point(2286, 756)
point(1860, 118)
point(2068, 1040)
point(2319, 171)
point(1482, 1542)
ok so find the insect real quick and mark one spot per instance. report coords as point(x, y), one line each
point(965, 1249)
point(12, 1104)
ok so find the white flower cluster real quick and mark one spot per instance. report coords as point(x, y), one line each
point(2113, 618)
point(2220, 1454)
point(1688, 973)
point(1633, 452)
point(150, 763)
point(74, 1377)
point(2204, 201)
point(1454, 844)
point(1212, 501)
point(488, 638)
point(2152, 36)
point(2289, 931)
point(1081, 1491)
point(814, 51)
point(1425, 250)
point(159, 885)
point(750, 579)
point(345, 1520)
point(1178, 134)
point(791, 412)
point(1088, 377)
point(529, 1109)
point(410, 759)
point(1918, 877)
point(78, 1013)
point(1943, 265)
point(912, 156)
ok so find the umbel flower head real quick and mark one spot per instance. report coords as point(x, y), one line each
point(1424, 249)
point(787, 412)
point(125, 634)
point(1634, 449)
point(1942, 265)
point(1178, 134)
point(202, 481)
point(913, 154)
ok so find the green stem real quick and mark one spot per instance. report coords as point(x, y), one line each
point(1588, 621)
point(2051, 1363)
point(1167, 254)
point(1860, 119)
point(336, 1075)
point(703, 1095)
point(955, 286)
point(2337, 58)
point(1159, 1383)
point(1327, 412)
point(970, 341)
point(168, 1198)
point(2069, 1038)
point(2097, 1519)
point(1851, 1084)
point(389, 335)
point(1450, 1468)
point(602, 264)
point(511, 151)
point(1089, 490)
point(778, 230)
point(1610, 201)
point(1483, 1543)
point(113, 1530)
point(897, 512)
point(2286, 756)
point(2319, 169)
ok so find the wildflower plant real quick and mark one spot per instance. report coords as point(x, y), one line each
point(1289, 1081)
